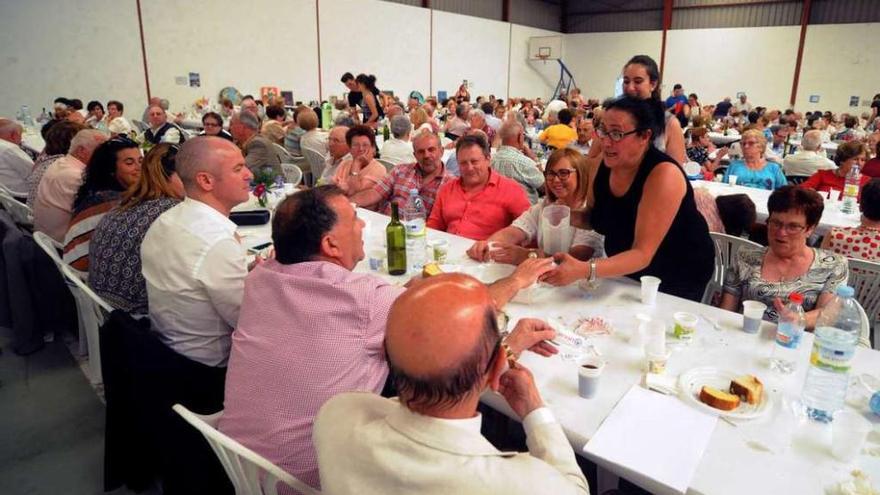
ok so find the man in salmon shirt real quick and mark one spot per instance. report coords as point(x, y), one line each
point(481, 201)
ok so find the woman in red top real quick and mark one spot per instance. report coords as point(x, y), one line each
point(872, 166)
point(848, 154)
point(862, 242)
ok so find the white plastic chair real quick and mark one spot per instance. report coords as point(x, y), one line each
point(726, 247)
point(292, 173)
point(20, 212)
point(864, 277)
point(91, 310)
point(316, 161)
point(14, 194)
point(388, 165)
point(249, 472)
point(865, 331)
point(282, 153)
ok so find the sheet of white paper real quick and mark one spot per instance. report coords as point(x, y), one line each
point(656, 435)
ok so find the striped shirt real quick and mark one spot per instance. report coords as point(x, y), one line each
point(79, 235)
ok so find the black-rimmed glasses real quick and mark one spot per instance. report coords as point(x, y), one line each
point(614, 135)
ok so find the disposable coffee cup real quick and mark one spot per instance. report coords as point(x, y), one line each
point(753, 313)
point(731, 179)
point(848, 433)
point(650, 286)
point(589, 373)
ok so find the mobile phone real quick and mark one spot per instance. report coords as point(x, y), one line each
point(258, 248)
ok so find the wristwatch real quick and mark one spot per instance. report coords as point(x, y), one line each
point(533, 253)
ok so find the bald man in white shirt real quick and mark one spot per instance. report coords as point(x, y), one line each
point(15, 164)
point(193, 263)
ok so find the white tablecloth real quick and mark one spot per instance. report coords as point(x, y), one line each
point(831, 215)
point(33, 139)
point(731, 464)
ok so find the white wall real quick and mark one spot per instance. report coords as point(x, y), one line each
point(715, 63)
point(88, 49)
point(470, 48)
point(597, 59)
point(262, 43)
point(530, 78)
point(840, 61)
point(390, 41)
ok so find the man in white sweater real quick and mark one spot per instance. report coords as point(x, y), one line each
point(444, 350)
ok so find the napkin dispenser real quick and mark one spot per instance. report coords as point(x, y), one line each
point(253, 217)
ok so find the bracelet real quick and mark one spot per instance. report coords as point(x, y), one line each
point(509, 355)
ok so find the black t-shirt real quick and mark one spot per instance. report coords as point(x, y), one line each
point(355, 98)
point(876, 104)
point(685, 260)
point(722, 109)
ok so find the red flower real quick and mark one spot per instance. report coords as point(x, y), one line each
point(260, 190)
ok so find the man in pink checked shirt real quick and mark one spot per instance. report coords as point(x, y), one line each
point(310, 328)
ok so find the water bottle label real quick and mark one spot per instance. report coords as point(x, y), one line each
point(786, 340)
point(415, 229)
point(832, 360)
point(851, 190)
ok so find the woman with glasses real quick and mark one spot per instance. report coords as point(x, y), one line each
point(754, 170)
point(849, 154)
point(644, 206)
point(113, 168)
point(770, 274)
point(213, 126)
point(115, 255)
point(567, 180)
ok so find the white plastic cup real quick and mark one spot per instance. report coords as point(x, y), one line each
point(439, 250)
point(650, 286)
point(685, 325)
point(655, 337)
point(656, 361)
point(753, 313)
point(833, 195)
point(848, 433)
point(589, 372)
point(731, 179)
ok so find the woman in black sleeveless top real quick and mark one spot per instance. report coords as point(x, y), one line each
point(644, 206)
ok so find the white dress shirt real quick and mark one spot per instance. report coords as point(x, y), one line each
point(15, 166)
point(806, 163)
point(398, 151)
point(194, 268)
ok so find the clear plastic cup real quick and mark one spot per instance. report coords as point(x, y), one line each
point(731, 179)
point(377, 260)
point(753, 313)
point(848, 433)
point(650, 286)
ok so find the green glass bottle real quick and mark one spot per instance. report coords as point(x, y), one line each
point(386, 133)
point(395, 234)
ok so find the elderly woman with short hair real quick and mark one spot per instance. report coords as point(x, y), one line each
point(399, 148)
point(361, 171)
point(754, 170)
point(788, 264)
point(849, 154)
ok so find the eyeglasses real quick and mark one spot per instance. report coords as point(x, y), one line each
point(614, 135)
point(561, 174)
point(788, 228)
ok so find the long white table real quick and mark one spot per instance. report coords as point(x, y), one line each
point(731, 464)
point(831, 215)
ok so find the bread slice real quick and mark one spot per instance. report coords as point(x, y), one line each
point(718, 398)
point(748, 388)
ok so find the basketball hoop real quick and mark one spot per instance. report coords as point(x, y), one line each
point(543, 57)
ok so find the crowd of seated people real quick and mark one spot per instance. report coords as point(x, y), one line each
point(144, 216)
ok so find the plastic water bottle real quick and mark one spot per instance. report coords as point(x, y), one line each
point(837, 333)
point(326, 116)
point(414, 215)
point(788, 335)
point(851, 190)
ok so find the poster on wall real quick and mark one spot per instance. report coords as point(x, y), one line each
point(853, 101)
point(814, 98)
point(195, 80)
point(288, 98)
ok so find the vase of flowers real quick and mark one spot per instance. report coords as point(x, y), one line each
point(263, 180)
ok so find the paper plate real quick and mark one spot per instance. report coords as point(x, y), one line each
point(691, 382)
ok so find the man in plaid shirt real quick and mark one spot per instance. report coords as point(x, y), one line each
point(426, 175)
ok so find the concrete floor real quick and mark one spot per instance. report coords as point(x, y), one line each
point(51, 425)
